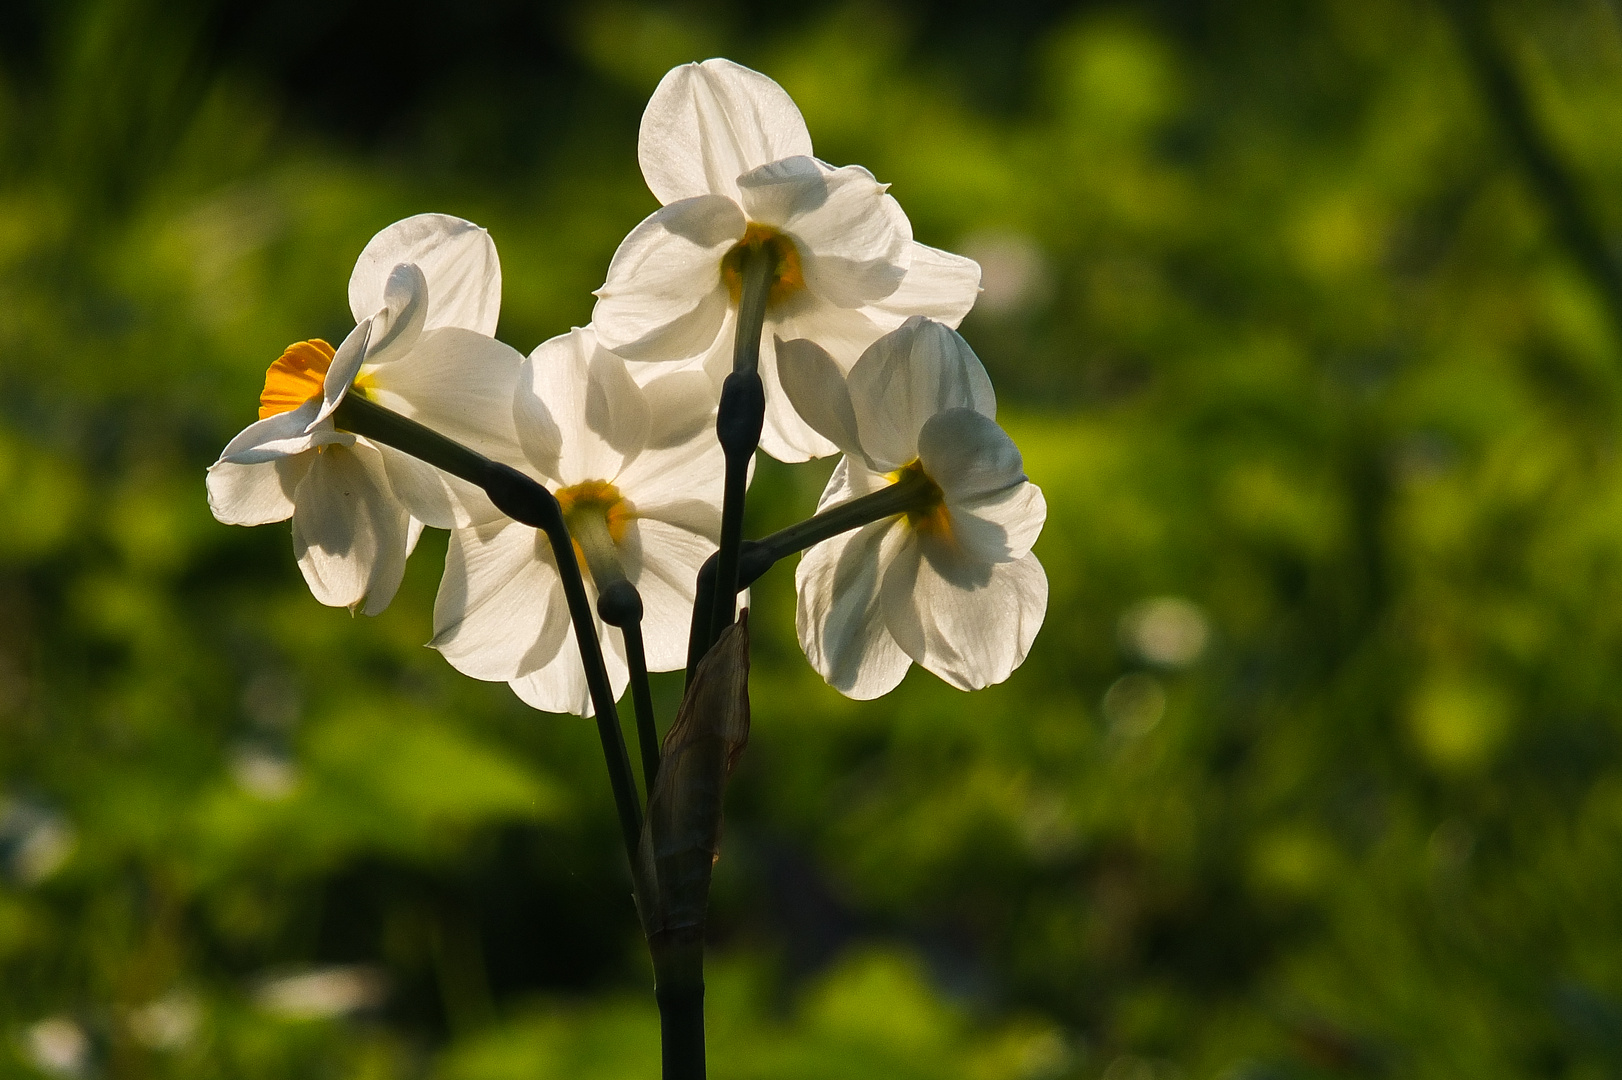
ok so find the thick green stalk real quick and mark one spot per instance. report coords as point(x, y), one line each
point(526, 501)
point(678, 971)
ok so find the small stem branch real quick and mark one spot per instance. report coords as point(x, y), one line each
point(1554, 183)
point(647, 728)
point(756, 557)
point(528, 502)
point(619, 604)
point(738, 422)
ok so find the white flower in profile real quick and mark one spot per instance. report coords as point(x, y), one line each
point(425, 295)
point(952, 583)
point(725, 150)
point(638, 473)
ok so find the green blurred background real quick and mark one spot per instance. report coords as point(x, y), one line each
point(1304, 327)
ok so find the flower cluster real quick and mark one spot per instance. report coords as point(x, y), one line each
point(921, 548)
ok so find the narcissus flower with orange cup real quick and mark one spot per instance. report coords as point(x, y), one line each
point(638, 474)
point(425, 295)
point(726, 151)
point(950, 584)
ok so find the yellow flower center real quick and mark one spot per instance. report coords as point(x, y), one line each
point(786, 275)
point(589, 509)
point(930, 516)
point(295, 377)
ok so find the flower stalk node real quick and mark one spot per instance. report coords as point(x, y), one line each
point(620, 604)
point(741, 414)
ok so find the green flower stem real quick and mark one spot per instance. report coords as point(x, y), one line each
point(619, 604)
point(913, 491)
point(738, 421)
point(526, 501)
point(647, 730)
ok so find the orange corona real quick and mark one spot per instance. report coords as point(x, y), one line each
point(599, 497)
point(787, 276)
point(296, 377)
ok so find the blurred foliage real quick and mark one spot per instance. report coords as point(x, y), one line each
point(1286, 336)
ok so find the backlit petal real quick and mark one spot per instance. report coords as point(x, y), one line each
point(282, 435)
point(968, 455)
point(560, 686)
point(662, 560)
point(839, 614)
point(938, 285)
point(255, 494)
point(500, 613)
point(905, 378)
point(601, 415)
point(969, 622)
point(815, 386)
point(689, 472)
point(349, 532)
point(664, 298)
point(346, 363)
point(1001, 526)
point(707, 124)
point(683, 405)
point(853, 239)
point(459, 383)
point(433, 497)
point(851, 479)
point(786, 436)
point(458, 261)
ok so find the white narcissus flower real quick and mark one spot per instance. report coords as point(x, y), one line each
point(425, 294)
point(638, 473)
point(727, 153)
point(952, 584)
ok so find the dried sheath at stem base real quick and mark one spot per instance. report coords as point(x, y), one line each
point(681, 835)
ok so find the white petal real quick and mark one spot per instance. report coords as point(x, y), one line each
point(282, 435)
point(255, 494)
point(683, 406)
point(601, 415)
point(906, 377)
point(853, 239)
point(396, 326)
point(839, 614)
point(777, 191)
point(1002, 526)
point(662, 477)
point(851, 479)
point(662, 560)
point(785, 435)
point(815, 386)
point(968, 455)
point(995, 512)
point(560, 686)
point(346, 363)
point(501, 612)
point(349, 532)
point(459, 383)
point(664, 298)
point(458, 261)
point(938, 285)
point(969, 622)
point(433, 497)
point(707, 124)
